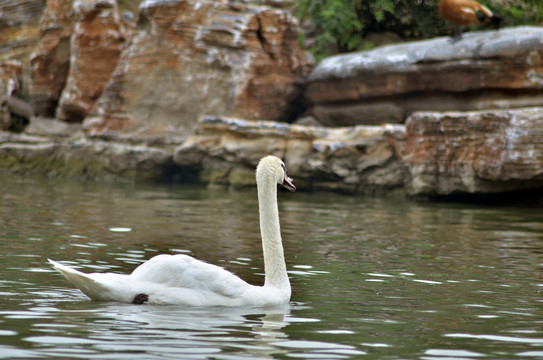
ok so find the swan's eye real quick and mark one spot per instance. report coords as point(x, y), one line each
point(284, 167)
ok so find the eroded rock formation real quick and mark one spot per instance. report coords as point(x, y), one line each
point(10, 78)
point(500, 69)
point(14, 112)
point(99, 35)
point(434, 154)
point(10, 83)
point(474, 152)
point(190, 58)
point(223, 61)
point(82, 158)
point(50, 61)
point(360, 159)
point(19, 32)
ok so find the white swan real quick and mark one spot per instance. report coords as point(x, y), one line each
point(181, 279)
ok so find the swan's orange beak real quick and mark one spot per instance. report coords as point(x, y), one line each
point(287, 182)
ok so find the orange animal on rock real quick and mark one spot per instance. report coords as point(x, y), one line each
point(465, 12)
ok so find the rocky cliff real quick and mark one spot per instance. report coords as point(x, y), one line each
point(360, 159)
point(19, 29)
point(482, 152)
point(50, 60)
point(170, 95)
point(182, 60)
point(486, 70)
point(185, 59)
point(488, 151)
point(99, 35)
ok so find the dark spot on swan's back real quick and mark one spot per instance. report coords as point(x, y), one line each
point(140, 299)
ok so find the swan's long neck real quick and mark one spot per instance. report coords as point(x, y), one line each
point(274, 259)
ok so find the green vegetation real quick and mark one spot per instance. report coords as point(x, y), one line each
point(344, 25)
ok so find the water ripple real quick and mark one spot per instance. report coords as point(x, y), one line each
point(511, 339)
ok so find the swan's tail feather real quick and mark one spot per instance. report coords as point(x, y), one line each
point(82, 281)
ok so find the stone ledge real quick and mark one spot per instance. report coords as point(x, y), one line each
point(486, 70)
point(480, 152)
point(491, 151)
point(82, 158)
point(359, 159)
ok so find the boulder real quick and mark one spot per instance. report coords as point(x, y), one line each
point(189, 58)
point(50, 61)
point(474, 152)
point(99, 35)
point(360, 159)
point(493, 69)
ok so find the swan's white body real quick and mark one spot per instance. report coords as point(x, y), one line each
point(181, 279)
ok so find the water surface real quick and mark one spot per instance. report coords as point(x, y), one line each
point(372, 278)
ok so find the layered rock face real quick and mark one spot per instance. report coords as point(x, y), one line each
point(501, 69)
point(80, 45)
point(190, 58)
point(10, 85)
point(222, 61)
point(474, 152)
point(50, 61)
point(19, 20)
point(82, 158)
point(99, 35)
point(19, 31)
point(10, 78)
point(362, 159)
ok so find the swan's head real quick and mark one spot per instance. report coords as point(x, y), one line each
point(272, 166)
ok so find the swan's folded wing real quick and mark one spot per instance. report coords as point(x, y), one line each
point(182, 271)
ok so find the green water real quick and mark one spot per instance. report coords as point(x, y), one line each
point(372, 278)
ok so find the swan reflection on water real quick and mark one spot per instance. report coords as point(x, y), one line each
point(95, 329)
point(114, 327)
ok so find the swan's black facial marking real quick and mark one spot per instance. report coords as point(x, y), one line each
point(284, 167)
point(140, 299)
point(287, 182)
